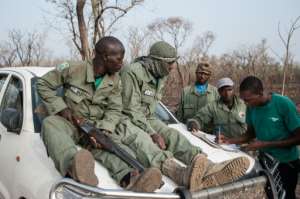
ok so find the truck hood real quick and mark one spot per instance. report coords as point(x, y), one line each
point(214, 154)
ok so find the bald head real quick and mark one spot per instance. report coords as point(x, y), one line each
point(109, 42)
point(109, 54)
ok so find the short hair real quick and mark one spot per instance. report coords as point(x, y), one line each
point(253, 84)
point(102, 45)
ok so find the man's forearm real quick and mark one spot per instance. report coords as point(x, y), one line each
point(290, 141)
point(244, 138)
point(240, 140)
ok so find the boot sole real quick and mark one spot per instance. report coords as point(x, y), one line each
point(232, 171)
point(84, 168)
point(199, 168)
point(148, 181)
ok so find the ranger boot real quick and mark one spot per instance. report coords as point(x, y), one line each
point(224, 172)
point(148, 181)
point(190, 176)
point(83, 168)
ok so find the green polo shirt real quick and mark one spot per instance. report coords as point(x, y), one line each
point(275, 121)
point(98, 82)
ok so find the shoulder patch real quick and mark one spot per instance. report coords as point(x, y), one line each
point(62, 66)
point(120, 84)
point(149, 93)
point(242, 114)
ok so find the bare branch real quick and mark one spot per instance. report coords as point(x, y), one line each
point(280, 35)
point(137, 41)
point(122, 10)
point(7, 54)
point(201, 45)
point(286, 42)
point(175, 28)
point(102, 16)
point(26, 48)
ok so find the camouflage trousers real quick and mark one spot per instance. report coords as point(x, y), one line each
point(61, 139)
point(176, 143)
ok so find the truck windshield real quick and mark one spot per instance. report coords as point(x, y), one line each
point(38, 109)
point(164, 114)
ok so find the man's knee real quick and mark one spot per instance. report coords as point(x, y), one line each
point(53, 121)
point(170, 134)
point(55, 128)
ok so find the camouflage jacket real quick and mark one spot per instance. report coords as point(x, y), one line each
point(102, 106)
point(231, 121)
point(140, 94)
point(191, 101)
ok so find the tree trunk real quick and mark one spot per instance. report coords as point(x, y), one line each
point(97, 34)
point(285, 68)
point(85, 49)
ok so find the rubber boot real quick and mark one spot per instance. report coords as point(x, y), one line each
point(148, 181)
point(83, 168)
point(225, 172)
point(189, 176)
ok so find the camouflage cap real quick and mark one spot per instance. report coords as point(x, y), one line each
point(204, 67)
point(163, 51)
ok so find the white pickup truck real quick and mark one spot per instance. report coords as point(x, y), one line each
point(26, 171)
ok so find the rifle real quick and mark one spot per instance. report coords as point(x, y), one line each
point(108, 144)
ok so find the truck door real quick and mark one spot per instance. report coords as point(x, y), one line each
point(11, 98)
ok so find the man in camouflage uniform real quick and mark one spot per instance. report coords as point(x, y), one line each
point(227, 114)
point(179, 77)
point(92, 92)
point(142, 83)
point(196, 96)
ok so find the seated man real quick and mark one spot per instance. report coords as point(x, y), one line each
point(227, 114)
point(196, 96)
point(273, 127)
point(142, 83)
point(91, 92)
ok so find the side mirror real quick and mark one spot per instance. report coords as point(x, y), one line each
point(11, 119)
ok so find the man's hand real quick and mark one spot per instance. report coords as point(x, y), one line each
point(77, 121)
point(159, 140)
point(221, 139)
point(92, 134)
point(66, 113)
point(255, 145)
point(93, 139)
point(192, 126)
point(95, 144)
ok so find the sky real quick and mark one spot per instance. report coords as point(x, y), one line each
point(234, 22)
